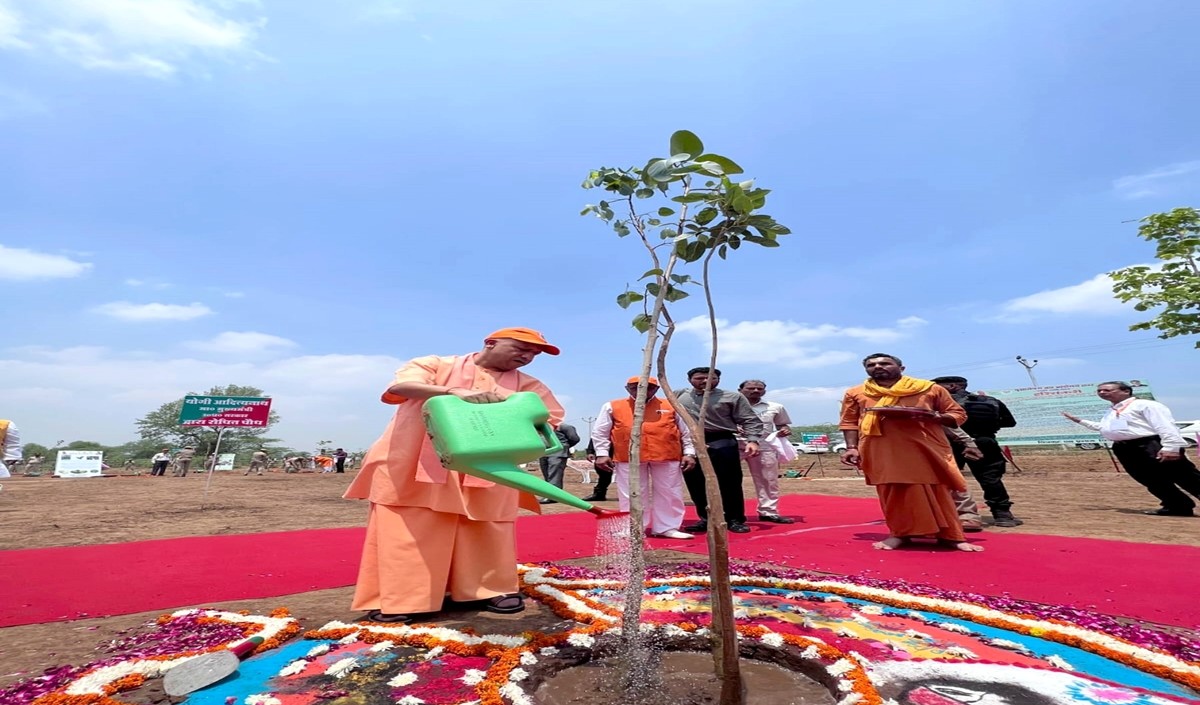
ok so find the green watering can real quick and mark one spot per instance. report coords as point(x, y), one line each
point(490, 441)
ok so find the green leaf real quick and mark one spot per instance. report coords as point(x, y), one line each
point(621, 228)
point(742, 204)
point(661, 170)
point(728, 166)
point(674, 294)
point(691, 198)
point(681, 278)
point(664, 211)
point(652, 273)
point(693, 250)
point(653, 222)
point(722, 251)
point(629, 298)
point(641, 322)
point(644, 193)
point(706, 215)
point(684, 142)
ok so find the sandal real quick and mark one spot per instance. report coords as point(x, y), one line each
point(506, 604)
point(377, 616)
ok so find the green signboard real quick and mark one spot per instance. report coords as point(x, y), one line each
point(225, 412)
point(1038, 411)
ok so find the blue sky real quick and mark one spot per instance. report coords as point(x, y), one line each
point(301, 195)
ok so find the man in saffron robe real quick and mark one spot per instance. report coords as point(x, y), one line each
point(433, 531)
point(902, 450)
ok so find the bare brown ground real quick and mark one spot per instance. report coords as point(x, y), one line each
point(1068, 494)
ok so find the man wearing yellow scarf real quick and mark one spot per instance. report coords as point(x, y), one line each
point(893, 425)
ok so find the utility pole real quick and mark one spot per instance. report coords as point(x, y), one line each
point(1029, 365)
point(589, 420)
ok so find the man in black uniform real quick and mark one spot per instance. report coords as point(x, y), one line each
point(603, 478)
point(985, 416)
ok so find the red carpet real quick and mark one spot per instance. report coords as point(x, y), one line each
point(1114, 577)
point(833, 534)
point(78, 582)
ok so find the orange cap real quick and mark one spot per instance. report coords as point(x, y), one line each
point(634, 380)
point(526, 335)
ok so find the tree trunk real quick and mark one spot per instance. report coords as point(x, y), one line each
point(724, 627)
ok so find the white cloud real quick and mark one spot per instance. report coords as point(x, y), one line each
point(317, 396)
point(10, 29)
point(1159, 182)
point(154, 38)
point(18, 264)
point(1093, 297)
point(127, 311)
point(243, 343)
point(147, 283)
point(810, 404)
point(788, 343)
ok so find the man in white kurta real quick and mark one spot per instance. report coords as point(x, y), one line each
point(666, 450)
point(764, 467)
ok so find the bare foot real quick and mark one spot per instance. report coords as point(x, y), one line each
point(891, 543)
point(963, 546)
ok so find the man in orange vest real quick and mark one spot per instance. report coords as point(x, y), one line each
point(666, 451)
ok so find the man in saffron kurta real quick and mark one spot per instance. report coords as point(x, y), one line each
point(433, 531)
point(902, 450)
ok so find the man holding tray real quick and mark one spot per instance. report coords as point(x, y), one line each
point(893, 425)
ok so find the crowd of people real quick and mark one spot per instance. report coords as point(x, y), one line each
point(180, 462)
point(433, 534)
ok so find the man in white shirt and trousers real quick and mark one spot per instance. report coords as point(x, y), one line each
point(764, 467)
point(1149, 446)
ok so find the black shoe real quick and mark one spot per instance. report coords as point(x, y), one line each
point(699, 527)
point(547, 500)
point(1170, 513)
point(776, 519)
point(1005, 519)
point(593, 497)
point(738, 527)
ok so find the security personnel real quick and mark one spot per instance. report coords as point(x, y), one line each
point(985, 417)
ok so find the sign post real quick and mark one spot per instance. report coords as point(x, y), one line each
point(79, 463)
point(223, 412)
point(1038, 411)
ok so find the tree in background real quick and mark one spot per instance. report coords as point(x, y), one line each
point(1174, 285)
point(683, 209)
point(31, 449)
point(162, 426)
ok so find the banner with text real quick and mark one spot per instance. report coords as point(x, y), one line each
point(225, 461)
point(79, 463)
point(227, 412)
point(1038, 411)
point(816, 440)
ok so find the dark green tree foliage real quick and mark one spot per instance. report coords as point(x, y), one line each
point(1172, 288)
